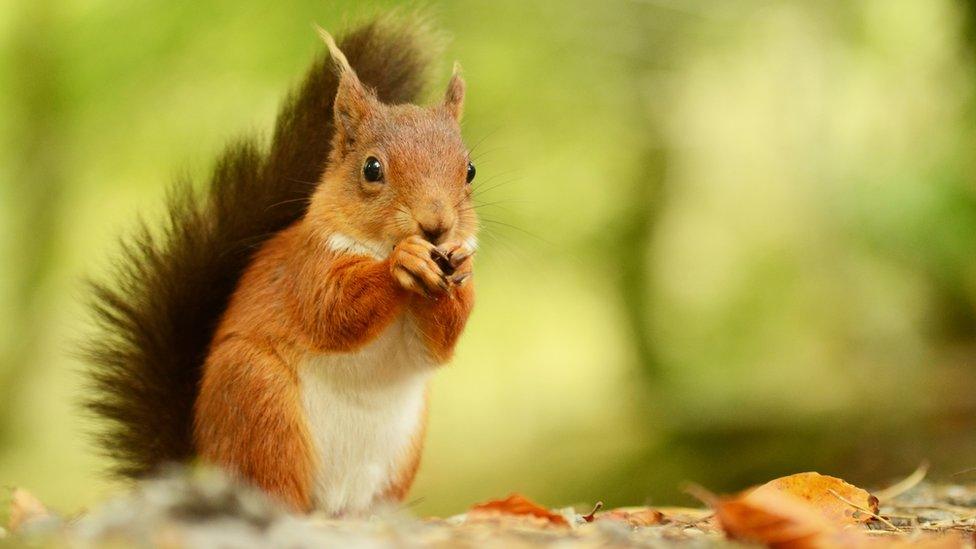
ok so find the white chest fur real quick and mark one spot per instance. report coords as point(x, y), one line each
point(363, 410)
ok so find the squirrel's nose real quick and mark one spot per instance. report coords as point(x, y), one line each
point(435, 221)
point(433, 232)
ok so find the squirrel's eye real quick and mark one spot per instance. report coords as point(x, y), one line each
point(471, 172)
point(372, 170)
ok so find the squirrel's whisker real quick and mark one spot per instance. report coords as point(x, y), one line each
point(291, 201)
point(480, 191)
point(517, 228)
point(310, 183)
point(483, 138)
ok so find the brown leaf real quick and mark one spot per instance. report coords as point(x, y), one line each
point(780, 520)
point(24, 507)
point(635, 516)
point(822, 492)
point(519, 505)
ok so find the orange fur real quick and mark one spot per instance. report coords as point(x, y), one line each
point(249, 420)
point(339, 302)
point(300, 296)
point(442, 319)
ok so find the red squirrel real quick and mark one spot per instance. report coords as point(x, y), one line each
point(307, 373)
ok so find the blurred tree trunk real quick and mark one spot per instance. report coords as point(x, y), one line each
point(954, 303)
point(968, 8)
point(656, 29)
point(37, 171)
point(636, 238)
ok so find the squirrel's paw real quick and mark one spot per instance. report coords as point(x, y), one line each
point(457, 261)
point(413, 266)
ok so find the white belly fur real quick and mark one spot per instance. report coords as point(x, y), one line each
point(363, 409)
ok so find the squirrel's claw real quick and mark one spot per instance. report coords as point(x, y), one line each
point(442, 260)
point(458, 256)
point(437, 253)
point(460, 278)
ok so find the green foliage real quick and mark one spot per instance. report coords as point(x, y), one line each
point(723, 240)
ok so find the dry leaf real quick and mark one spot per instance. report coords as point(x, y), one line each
point(519, 505)
point(822, 492)
point(780, 520)
point(635, 516)
point(24, 507)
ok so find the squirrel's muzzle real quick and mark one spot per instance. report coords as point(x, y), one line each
point(435, 223)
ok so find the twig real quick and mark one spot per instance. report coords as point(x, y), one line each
point(963, 472)
point(903, 485)
point(899, 516)
point(864, 510)
point(959, 510)
point(701, 494)
point(597, 507)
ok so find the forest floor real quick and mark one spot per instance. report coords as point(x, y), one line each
point(205, 510)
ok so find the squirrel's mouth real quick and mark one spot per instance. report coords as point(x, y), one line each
point(435, 236)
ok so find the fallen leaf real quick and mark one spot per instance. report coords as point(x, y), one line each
point(519, 505)
point(779, 519)
point(827, 495)
point(635, 516)
point(24, 507)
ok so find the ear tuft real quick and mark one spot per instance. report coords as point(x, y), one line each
point(339, 58)
point(454, 97)
point(353, 102)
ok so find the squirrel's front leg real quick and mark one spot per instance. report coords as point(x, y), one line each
point(347, 301)
point(442, 316)
point(343, 301)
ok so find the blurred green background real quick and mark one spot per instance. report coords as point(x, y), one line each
point(723, 241)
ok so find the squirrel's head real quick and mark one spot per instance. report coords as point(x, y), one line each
point(395, 170)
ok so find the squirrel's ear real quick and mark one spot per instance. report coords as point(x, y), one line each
point(454, 97)
point(352, 101)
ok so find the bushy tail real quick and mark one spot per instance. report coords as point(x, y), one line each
point(156, 317)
